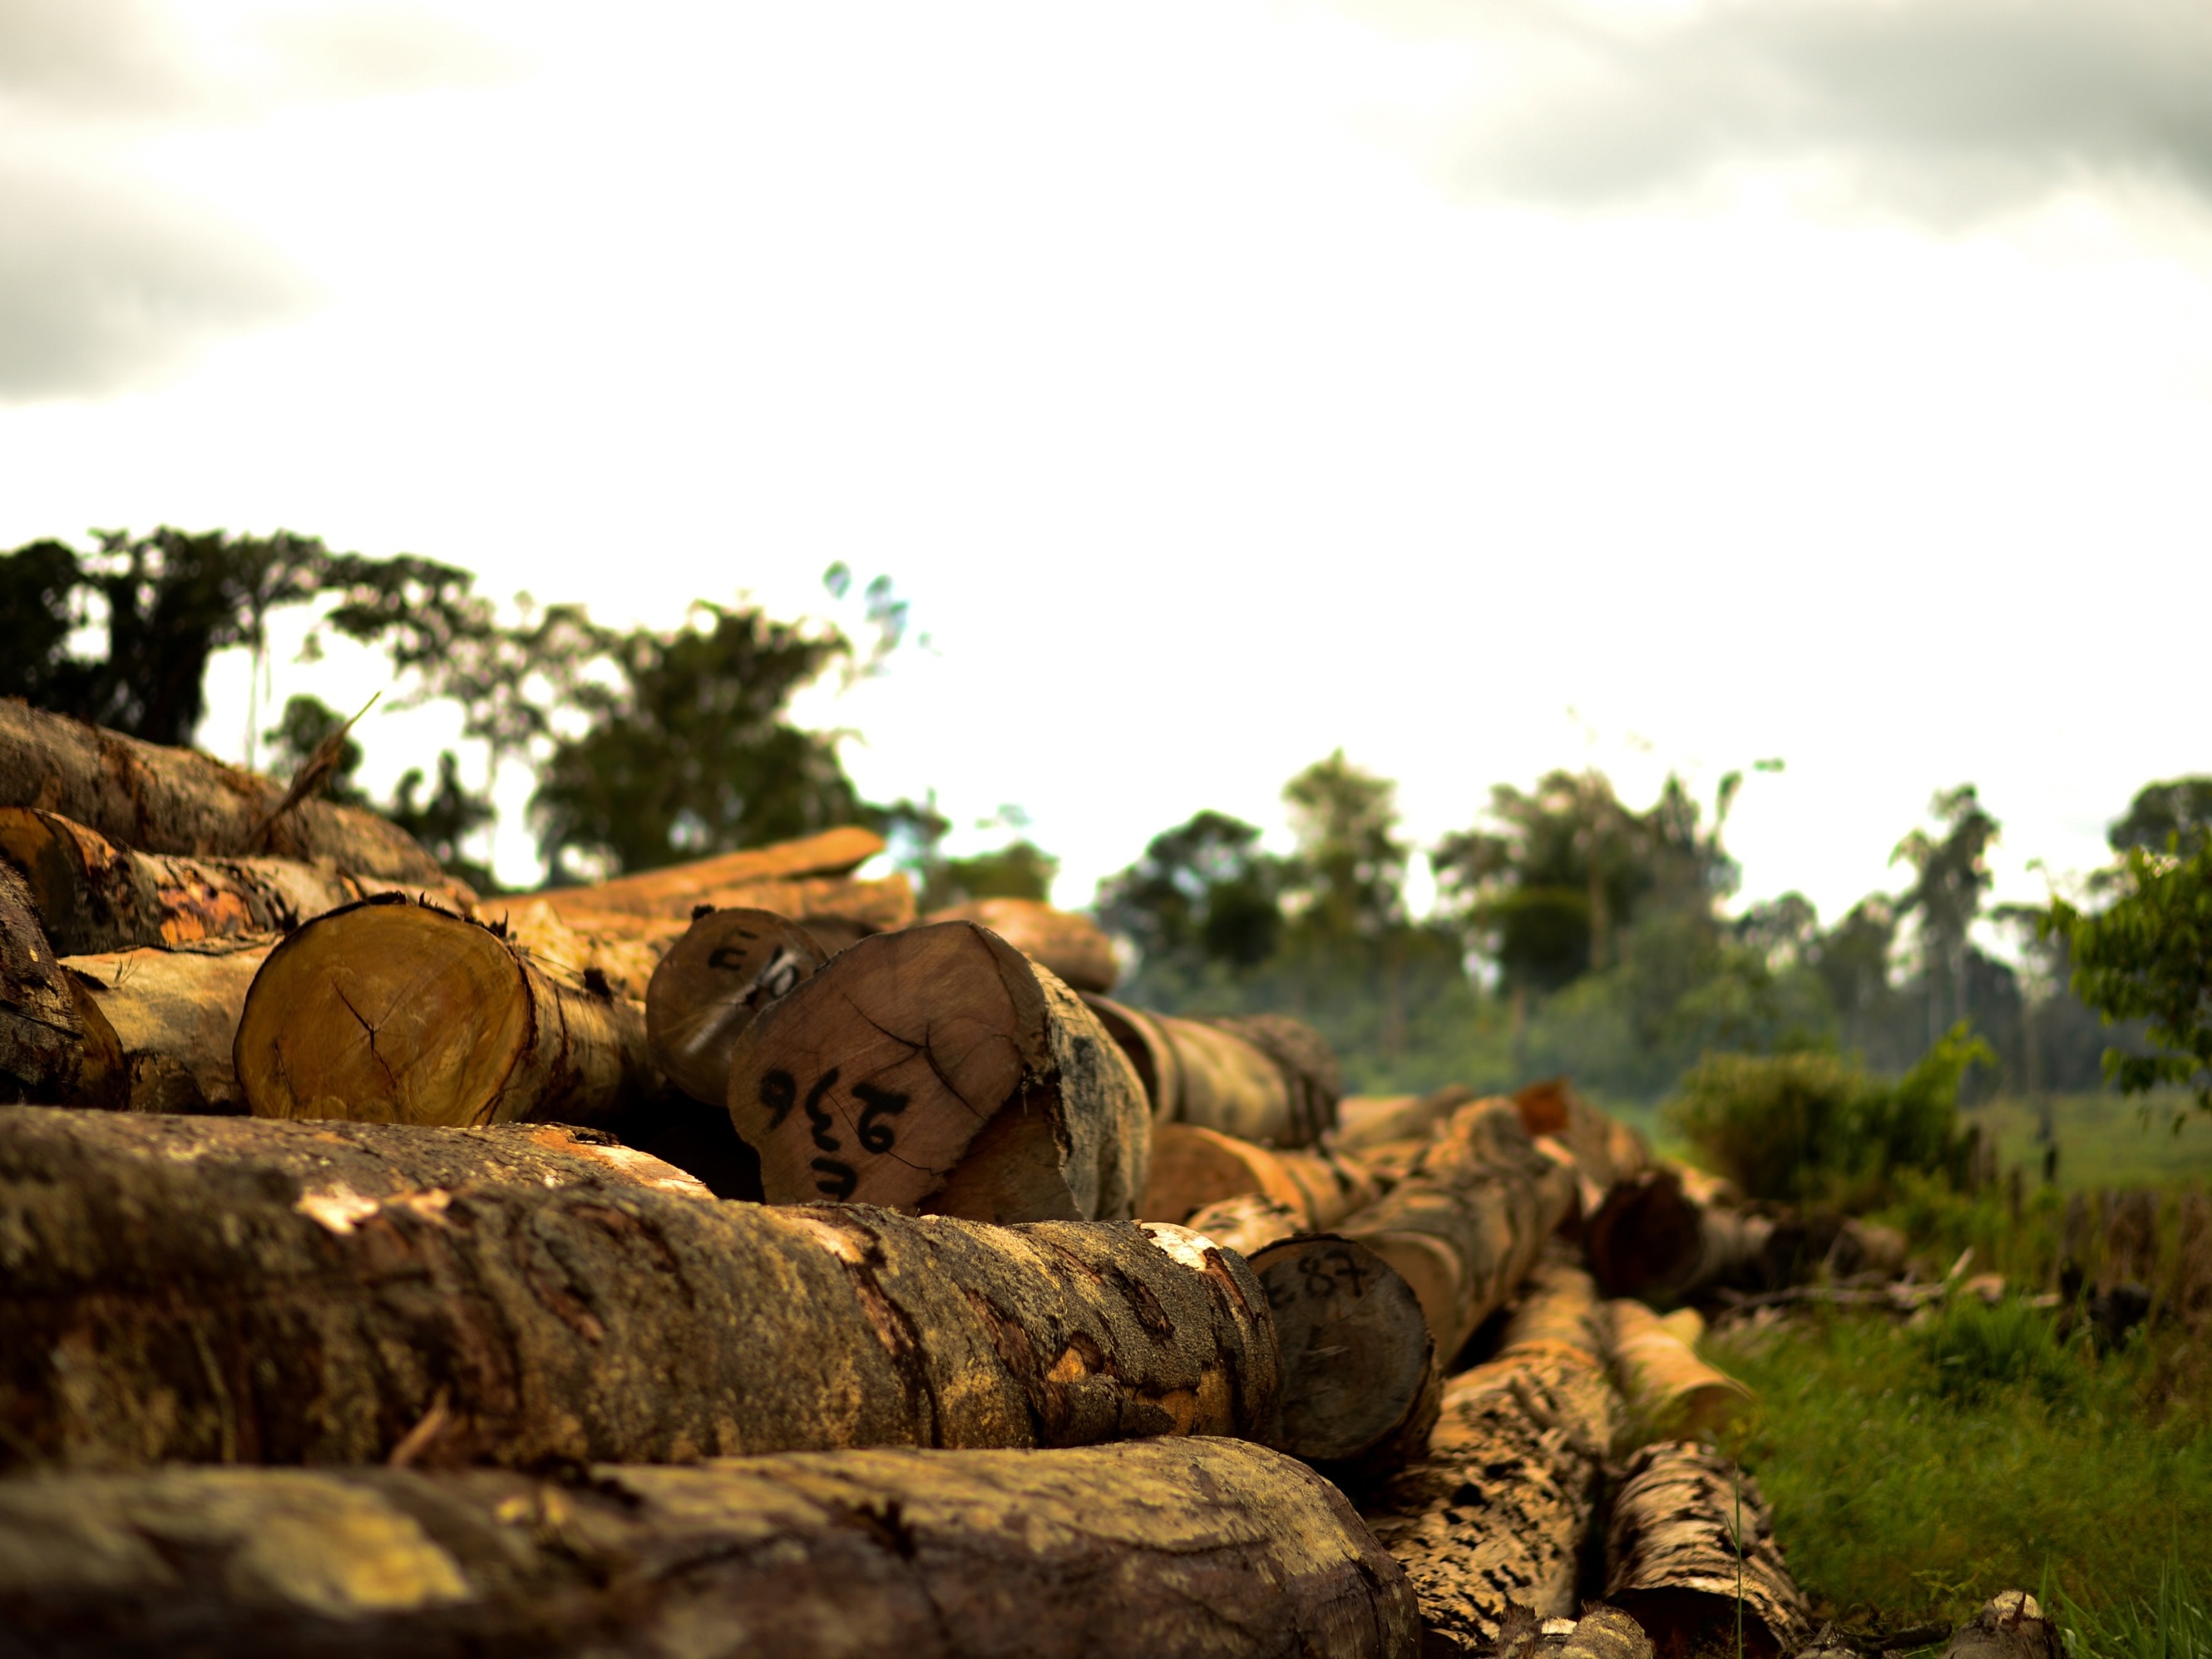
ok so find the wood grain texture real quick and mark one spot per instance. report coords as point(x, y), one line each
point(1671, 1392)
point(1690, 1533)
point(1211, 1549)
point(175, 1015)
point(937, 1067)
point(236, 1290)
point(57, 1047)
point(1073, 946)
point(156, 799)
point(713, 983)
point(395, 1012)
point(1192, 1167)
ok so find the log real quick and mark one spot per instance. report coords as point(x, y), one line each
point(624, 959)
point(1606, 1151)
point(1192, 1167)
point(1658, 1237)
point(1360, 1385)
point(1213, 1549)
point(675, 890)
point(727, 966)
point(1073, 946)
point(57, 1047)
point(1691, 1551)
point(227, 1290)
point(1266, 1079)
point(175, 1015)
point(1499, 1512)
point(1464, 1228)
point(1383, 1120)
point(156, 799)
point(94, 896)
point(388, 1011)
point(1247, 1224)
point(939, 1069)
point(1601, 1633)
point(2010, 1625)
point(1672, 1392)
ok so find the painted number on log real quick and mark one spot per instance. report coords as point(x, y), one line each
point(778, 1092)
point(1322, 1275)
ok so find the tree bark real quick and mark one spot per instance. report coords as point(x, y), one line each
point(156, 799)
point(1192, 1167)
point(227, 1290)
point(1073, 946)
point(1212, 1549)
point(96, 896)
point(937, 1067)
point(389, 1011)
point(714, 981)
point(1690, 1548)
point(1384, 1120)
point(1267, 1078)
point(1500, 1510)
point(1601, 1633)
point(57, 1047)
point(1657, 1239)
point(1671, 1392)
point(1606, 1151)
point(175, 1017)
point(1465, 1227)
point(1248, 1224)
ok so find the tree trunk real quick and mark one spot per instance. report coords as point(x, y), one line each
point(388, 1011)
point(1192, 1167)
point(156, 799)
point(1601, 1633)
point(1073, 946)
point(1360, 1378)
point(1212, 1549)
point(1691, 1551)
point(1606, 1151)
point(227, 1290)
point(1501, 1509)
point(57, 1047)
point(175, 1016)
point(1655, 1239)
point(1248, 1224)
point(96, 896)
point(938, 1068)
point(1464, 1228)
point(1383, 1120)
point(1268, 1079)
point(1671, 1393)
point(727, 966)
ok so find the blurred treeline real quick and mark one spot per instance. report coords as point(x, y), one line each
point(1573, 932)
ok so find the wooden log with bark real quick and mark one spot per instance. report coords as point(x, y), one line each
point(1606, 1151)
point(1387, 1120)
point(1073, 946)
point(938, 1068)
point(390, 1011)
point(1192, 1167)
point(1601, 1633)
point(1266, 1079)
point(1691, 1549)
point(1671, 1392)
point(1248, 1224)
point(156, 799)
point(57, 1047)
point(1662, 1235)
point(234, 1289)
point(175, 1015)
point(714, 981)
point(1501, 1511)
point(1464, 1228)
point(93, 895)
point(1212, 1549)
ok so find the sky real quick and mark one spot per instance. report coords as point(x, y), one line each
point(1477, 386)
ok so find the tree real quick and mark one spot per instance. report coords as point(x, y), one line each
point(2174, 817)
point(690, 754)
point(1950, 876)
point(306, 725)
point(1204, 892)
point(1346, 880)
point(2148, 956)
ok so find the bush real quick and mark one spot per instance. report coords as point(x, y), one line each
point(1812, 1127)
point(1975, 1350)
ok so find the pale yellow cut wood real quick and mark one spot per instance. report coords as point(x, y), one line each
point(1670, 1389)
point(55, 1046)
point(175, 1013)
point(1192, 1167)
point(672, 892)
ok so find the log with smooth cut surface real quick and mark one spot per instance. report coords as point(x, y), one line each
point(1670, 1391)
point(93, 895)
point(1266, 1078)
point(1192, 1167)
point(1464, 1229)
point(1661, 1235)
point(234, 1289)
point(57, 1047)
point(1248, 1224)
point(175, 1014)
point(938, 1068)
point(1212, 1549)
point(1499, 1511)
point(1073, 946)
point(712, 984)
point(1690, 1548)
point(393, 1012)
point(156, 799)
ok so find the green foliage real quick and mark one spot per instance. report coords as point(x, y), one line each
point(1811, 1126)
point(1974, 1351)
point(688, 753)
point(2174, 817)
point(1021, 870)
point(1347, 883)
point(2173, 1621)
point(446, 820)
point(1203, 892)
point(2148, 956)
point(305, 724)
point(1894, 1492)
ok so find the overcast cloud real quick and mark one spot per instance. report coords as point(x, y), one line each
point(110, 277)
point(1944, 111)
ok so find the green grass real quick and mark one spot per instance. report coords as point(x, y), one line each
point(1915, 1472)
point(2104, 1139)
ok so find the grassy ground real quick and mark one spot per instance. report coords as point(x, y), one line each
point(2103, 1139)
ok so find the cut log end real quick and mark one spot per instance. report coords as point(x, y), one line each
point(1358, 1369)
point(713, 983)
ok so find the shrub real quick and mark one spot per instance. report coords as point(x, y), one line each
point(1975, 1350)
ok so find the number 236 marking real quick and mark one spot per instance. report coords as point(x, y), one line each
point(836, 1179)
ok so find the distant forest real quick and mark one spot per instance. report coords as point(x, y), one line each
point(1572, 933)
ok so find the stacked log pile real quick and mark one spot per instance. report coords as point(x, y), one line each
point(727, 1249)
